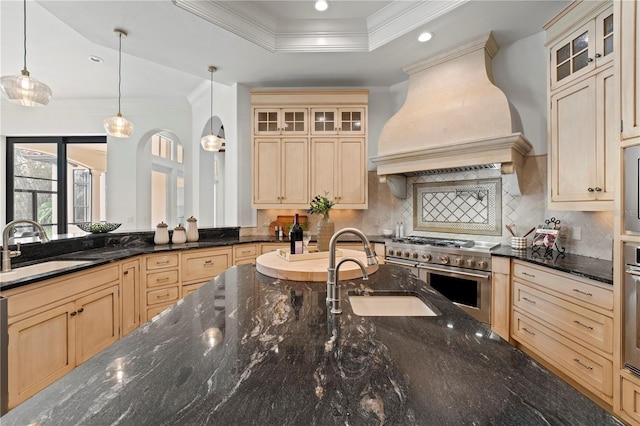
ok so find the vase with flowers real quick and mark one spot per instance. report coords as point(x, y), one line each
point(326, 228)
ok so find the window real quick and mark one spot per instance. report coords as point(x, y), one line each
point(49, 180)
point(167, 181)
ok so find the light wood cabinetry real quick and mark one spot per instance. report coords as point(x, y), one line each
point(501, 296)
point(583, 124)
point(130, 296)
point(199, 266)
point(57, 324)
point(629, 57)
point(269, 247)
point(245, 254)
point(567, 322)
point(338, 168)
point(160, 283)
point(630, 401)
point(293, 162)
point(281, 172)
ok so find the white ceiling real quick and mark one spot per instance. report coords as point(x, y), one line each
point(169, 49)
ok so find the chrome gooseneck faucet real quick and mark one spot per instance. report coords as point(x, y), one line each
point(8, 254)
point(333, 291)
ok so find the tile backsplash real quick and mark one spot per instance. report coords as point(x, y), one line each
point(526, 211)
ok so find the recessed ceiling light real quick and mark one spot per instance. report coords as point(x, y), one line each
point(96, 59)
point(424, 37)
point(322, 5)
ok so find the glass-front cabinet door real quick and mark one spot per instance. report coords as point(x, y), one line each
point(334, 121)
point(583, 50)
point(280, 121)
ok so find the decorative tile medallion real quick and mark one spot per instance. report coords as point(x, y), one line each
point(465, 206)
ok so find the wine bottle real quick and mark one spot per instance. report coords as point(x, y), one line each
point(296, 237)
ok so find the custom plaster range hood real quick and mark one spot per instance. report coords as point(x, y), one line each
point(454, 118)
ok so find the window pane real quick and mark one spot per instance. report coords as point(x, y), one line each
point(155, 145)
point(180, 199)
point(608, 24)
point(580, 61)
point(563, 71)
point(179, 154)
point(581, 42)
point(608, 45)
point(158, 197)
point(563, 53)
point(35, 181)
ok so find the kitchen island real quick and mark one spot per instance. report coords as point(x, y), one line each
point(247, 349)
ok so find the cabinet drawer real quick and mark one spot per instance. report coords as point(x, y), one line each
point(199, 266)
point(249, 261)
point(163, 278)
point(590, 370)
point(577, 322)
point(268, 248)
point(248, 250)
point(162, 295)
point(158, 261)
point(188, 289)
point(631, 399)
point(576, 290)
point(152, 312)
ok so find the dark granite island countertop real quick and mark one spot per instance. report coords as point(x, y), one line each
point(246, 349)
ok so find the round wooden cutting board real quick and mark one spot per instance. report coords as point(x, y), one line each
point(315, 270)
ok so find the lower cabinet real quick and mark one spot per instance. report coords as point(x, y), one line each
point(630, 403)
point(57, 324)
point(245, 254)
point(160, 283)
point(501, 296)
point(567, 323)
point(130, 296)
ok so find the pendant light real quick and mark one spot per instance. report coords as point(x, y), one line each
point(23, 89)
point(211, 142)
point(118, 126)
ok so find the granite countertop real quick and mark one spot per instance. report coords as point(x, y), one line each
point(582, 266)
point(246, 349)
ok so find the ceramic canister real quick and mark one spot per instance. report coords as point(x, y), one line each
point(192, 229)
point(162, 234)
point(179, 235)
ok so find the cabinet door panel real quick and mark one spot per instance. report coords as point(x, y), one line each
point(266, 170)
point(204, 265)
point(570, 56)
point(130, 297)
point(41, 350)
point(295, 171)
point(98, 320)
point(608, 139)
point(629, 56)
point(351, 166)
point(573, 144)
point(323, 167)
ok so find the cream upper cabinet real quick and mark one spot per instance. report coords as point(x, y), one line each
point(338, 121)
point(288, 171)
point(338, 167)
point(280, 121)
point(583, 126)
point(629, 55)
point(280, 172)
point(583, 144)
point(582, 50)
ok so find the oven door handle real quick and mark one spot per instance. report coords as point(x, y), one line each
point(631, 270)
point(485, 276)
point(400, 263)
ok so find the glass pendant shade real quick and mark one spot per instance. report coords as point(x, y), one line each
point(211, 142)
point(118, 126)
point(25, 90)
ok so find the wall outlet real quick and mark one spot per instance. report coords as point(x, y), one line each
point(576, 233)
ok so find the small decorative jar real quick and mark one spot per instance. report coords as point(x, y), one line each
point(179, 235)
point(162, 234)
point(192, 229)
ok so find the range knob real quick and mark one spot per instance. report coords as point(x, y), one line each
point(414, 255)
point(390, 252)
point(471, 263)
point(483, 264)
point(406, 254)
point(444, 259)
point(426, 257)
point(398, 253)
point(460, 261)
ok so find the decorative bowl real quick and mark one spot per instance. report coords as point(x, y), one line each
point(99, 227)
point(387, 232)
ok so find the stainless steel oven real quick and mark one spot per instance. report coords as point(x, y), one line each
point(459, 269)
point(631, 325)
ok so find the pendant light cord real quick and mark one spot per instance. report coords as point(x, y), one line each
point(25, 33)
point(211, 115)
point(119, 70)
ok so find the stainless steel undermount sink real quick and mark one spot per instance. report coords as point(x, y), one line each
point(39, 268)
point(390, 304)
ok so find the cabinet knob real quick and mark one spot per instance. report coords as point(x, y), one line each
point(74, 313)
point(81, 310)
point(126, 272)
point(590, 189)
point(590, 60)
point(598, 55)
point(598, 189)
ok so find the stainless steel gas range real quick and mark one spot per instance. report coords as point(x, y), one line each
point(459, 269)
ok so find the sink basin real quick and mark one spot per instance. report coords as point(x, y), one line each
point(39, 268)
point(390, 305)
